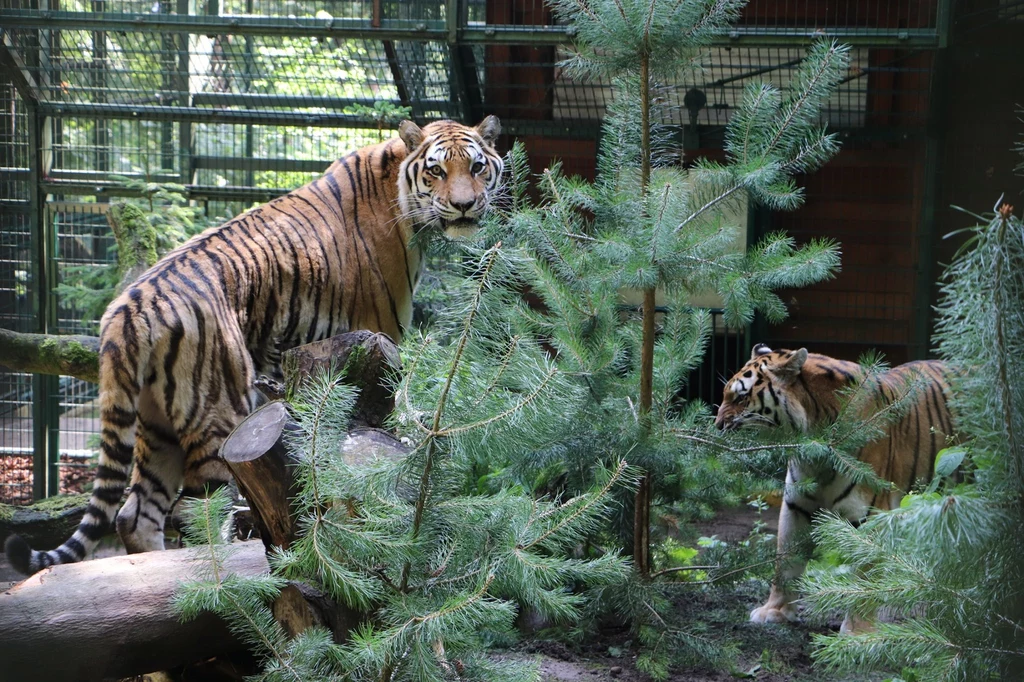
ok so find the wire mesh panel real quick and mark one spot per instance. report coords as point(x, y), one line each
point(17, 312)
point(84, 244)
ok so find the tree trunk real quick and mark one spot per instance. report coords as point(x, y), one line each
point(111, 617)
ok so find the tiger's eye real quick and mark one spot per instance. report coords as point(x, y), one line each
point(477, 168)
point(436, 171)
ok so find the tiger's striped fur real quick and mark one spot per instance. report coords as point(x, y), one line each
point(800, 390)
point(181, 347)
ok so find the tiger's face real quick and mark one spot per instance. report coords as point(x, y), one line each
point(761, 393)
point(450, 174)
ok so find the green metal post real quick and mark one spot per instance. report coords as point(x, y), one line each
point(184, 127)
point(927, 226)
point(45, 401)
point(39, 303)
point(169, 83)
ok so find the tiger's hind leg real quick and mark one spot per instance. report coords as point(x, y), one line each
point(205, 473)
point(157, 475)
point(204, 470)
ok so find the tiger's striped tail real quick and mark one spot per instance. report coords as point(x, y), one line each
point(121, 373)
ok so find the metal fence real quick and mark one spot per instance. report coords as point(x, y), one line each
point(241, 100)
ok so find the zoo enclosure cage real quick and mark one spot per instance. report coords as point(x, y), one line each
point(242, 100)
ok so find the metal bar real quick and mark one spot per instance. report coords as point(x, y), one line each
point(396, 74)
point(577, 129)
point(451, 21)
point(184, 127)
point(750, 74)
point(746, 36)
point(457, 79)
point(943, 22)
point(932, 164)
point(45, 408)
point(220, 99)
point(169, 77)
point(248, 69)
point(197, 192)
point(39, 299)
point(13, 65)
point(98, 81)
point(214, 25)
point(196, 115)
point(430, 30)
point(254, 164)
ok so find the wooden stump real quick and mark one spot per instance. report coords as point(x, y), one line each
point(263, 468)
point(366, 360)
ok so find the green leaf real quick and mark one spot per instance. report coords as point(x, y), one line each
point(948, 459)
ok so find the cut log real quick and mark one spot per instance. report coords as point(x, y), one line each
point(111, 617)
point(262, 466)
point(256, 452)
point(366, 358)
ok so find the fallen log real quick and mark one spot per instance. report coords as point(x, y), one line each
point(111, 617)
point(74, 356)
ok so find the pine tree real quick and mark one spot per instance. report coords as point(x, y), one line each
point(648, 225)
point(949, 562)
point(437, 565)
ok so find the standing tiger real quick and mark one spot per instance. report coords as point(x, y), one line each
point(181, 347)
point(799, 390)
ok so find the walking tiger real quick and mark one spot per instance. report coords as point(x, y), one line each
point(799, 390)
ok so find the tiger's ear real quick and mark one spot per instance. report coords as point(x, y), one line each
point(489, 129)
point(759, 350)
point(411, 134)
point(791, 364)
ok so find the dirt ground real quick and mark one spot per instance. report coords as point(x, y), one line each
point(774, 653)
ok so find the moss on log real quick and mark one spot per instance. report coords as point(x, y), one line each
point(76, 356)
point(136, 241)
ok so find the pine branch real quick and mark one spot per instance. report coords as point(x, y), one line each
point(452, 430)
point(1003, 384)
point(489, 258)
point(588, 504)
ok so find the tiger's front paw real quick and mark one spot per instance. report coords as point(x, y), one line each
point(770, 613)
point(854, 624)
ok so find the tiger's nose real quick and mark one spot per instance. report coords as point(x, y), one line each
point(463, 206)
